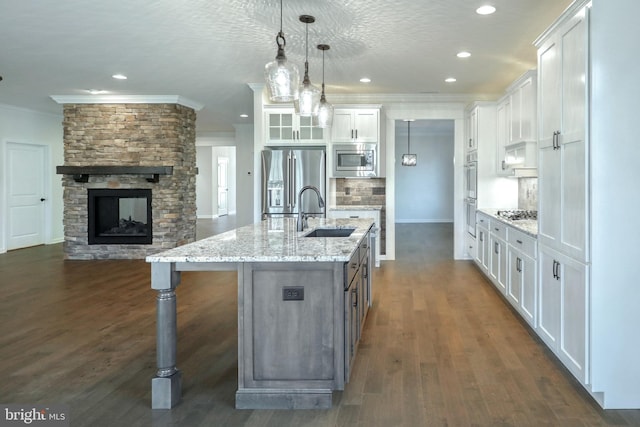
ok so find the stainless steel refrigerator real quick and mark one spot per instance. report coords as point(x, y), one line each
point(284, 172)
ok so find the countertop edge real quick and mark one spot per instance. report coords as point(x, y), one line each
point(518, 226)
point(259, 242)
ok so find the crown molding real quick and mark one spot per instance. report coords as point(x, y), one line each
point(400, 98)
point(127, 99)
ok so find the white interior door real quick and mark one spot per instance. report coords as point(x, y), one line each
point(223, 186)
point(25, 195)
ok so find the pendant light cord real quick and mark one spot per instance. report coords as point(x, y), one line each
point(409, 137)
point(280, 41)
point(306, 53)
point(323, 72)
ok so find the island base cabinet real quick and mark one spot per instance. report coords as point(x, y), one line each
point(563, 319)
point(290, 335)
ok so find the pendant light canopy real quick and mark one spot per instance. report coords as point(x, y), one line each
point(409, 159)
point(281, 75)
point(324, 118)
point(309, 95)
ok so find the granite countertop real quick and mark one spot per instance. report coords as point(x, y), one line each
point(527, 226)
point(272, 240)
point(356, 207)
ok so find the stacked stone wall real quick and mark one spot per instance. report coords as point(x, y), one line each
point(131, 135)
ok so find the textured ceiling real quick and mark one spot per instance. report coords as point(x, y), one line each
point(208, 50)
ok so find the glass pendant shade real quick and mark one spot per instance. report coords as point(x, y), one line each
point(308, 99)
point(282, 78)
point(324, 119)
point(308, 94)
point(409, 159)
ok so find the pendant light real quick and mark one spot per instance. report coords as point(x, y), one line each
point(409, 159)
point(324, 118)
point(309, 95)
point(281, 75)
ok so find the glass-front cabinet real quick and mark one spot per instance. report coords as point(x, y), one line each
point(284, 126)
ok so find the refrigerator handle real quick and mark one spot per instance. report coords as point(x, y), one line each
point(288, 180)
point(293, 180)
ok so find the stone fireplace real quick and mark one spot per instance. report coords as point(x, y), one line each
point(120, 216)
point(129, 179)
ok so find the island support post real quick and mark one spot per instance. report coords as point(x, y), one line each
point(166, 386)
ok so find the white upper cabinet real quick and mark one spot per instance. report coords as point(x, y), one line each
point(284, 126)
point(523, 109)
point(472, 129)
point(356, 125)
point(502, 135)
point(516, 149)
point(563, 159)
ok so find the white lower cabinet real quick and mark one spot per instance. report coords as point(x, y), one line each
point(563, 314)
point(482, 257)
point(521, 290)
point(498, 248)
point(507, 256)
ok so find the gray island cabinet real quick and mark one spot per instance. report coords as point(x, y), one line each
point(302, 302)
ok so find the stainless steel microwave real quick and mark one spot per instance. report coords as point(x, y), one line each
point(355, 160)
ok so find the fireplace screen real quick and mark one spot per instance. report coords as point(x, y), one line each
point(120, 216)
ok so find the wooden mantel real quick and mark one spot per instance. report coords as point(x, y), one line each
point(82, 173)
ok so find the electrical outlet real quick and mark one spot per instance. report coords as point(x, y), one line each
point(293, 293)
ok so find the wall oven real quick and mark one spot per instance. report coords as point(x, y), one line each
point(355, 160)
point(471, 175)
point(471, 191)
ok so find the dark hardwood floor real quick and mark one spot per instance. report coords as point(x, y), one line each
point(440, 347)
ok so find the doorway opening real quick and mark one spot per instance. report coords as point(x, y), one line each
point(425, 192)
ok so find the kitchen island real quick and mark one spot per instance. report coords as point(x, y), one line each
point(302, 302)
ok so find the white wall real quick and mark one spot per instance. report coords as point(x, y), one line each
point(615, 200)
point(424, 193)
point(204, 182)
point(30, 127)
point(245, 194)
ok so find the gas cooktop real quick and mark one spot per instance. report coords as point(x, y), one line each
point(517, 214)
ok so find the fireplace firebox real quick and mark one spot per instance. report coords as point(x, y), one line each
point(119, 216)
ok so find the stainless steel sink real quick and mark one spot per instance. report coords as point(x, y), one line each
point(330, 232)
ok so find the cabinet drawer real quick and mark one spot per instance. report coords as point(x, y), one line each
point(351, 268)
point(483, 220)
point(364, 247)
point(523, 242)
point(499, 229)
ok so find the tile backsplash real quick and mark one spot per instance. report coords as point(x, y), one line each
point(528, 193)
point(367, 192)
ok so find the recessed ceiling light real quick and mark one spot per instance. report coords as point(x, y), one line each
point(485, 10)
point(365, 80)
point(97, 91)
point(119, 77)
point(450, 79)
point(463, 54)
point(244, 116)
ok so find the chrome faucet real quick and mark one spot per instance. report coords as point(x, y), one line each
point(302, 218)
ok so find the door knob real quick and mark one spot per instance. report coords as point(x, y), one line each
point(42, 199)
